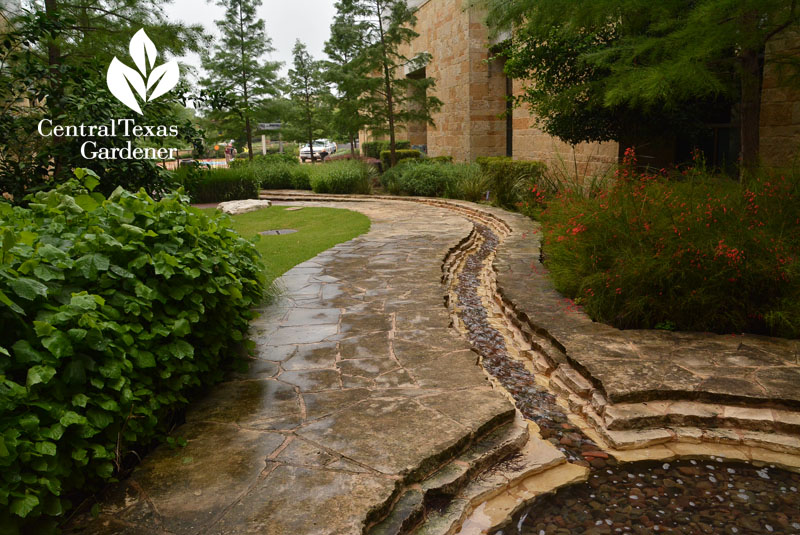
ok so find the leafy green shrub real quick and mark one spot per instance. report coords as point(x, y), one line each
point(508, 178)
point(218, 185)
point(405, 154)
point(420, 178)
point(469, 182)
point(373, 149)
point(276, 175)
point(346, 176)
point(266, 159)
point(696, 253)
point(441, 159)
point(278, 157)
point(114, 311)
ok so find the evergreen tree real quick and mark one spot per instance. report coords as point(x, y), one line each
point(641, 56)
point(348, 75)
point(237, 69)
point(393, 98)
point(308, 91)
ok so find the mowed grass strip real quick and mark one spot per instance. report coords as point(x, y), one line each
point(317, 229)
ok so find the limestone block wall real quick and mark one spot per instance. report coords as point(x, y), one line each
point(472, 90)
point(443, 29)
point(530, 143)
point(780, 105)
point(487, 92)
point(474, 94)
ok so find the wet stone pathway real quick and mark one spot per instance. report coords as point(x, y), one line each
point(357, 388)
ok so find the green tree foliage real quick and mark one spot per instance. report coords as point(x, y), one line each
point(53, 62)
point(240, 81)
point(592, 62)
point(308, 91)
point(348, 76)
point(392, 98)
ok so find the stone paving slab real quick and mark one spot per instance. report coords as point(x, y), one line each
point(358, 387)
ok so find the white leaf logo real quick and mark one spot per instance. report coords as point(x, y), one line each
point(123, 81)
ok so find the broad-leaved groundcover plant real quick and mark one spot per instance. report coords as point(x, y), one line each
point(114, 311)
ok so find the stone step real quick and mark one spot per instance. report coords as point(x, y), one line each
point(437, 490)
point(536, 458)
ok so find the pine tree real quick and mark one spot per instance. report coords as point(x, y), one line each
point(397, 99)
point(308, 90)
point(237, 67)
point(346, 74)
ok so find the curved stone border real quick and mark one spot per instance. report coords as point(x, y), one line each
point(622, 415)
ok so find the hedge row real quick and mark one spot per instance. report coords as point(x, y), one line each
point(507, 177)
point(219, 185)
point(373, 149)
point(114, 312)
point(344, 176)
point(405, 154)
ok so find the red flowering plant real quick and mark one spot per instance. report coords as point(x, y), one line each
point(684, 249)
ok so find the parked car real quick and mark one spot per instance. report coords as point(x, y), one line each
point(322, 149)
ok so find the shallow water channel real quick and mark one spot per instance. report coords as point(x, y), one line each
point(691, 496)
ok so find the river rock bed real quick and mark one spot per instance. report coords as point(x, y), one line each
point(688, 496)
point(535, 403)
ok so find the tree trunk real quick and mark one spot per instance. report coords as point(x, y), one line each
point(308, 121)
point(387, 80)
point(750, 109)
point(53, 101)
point(244, 88)
point(353, 146)
point(249, 135)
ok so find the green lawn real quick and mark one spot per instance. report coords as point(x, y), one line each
point(318, 229)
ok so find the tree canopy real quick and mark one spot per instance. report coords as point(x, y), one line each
point(53, 62)
point(659, 59)
point(240, 79)
point(309, 93)
point(391, 98)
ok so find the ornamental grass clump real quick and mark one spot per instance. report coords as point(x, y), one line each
point(114, 312)
point(343, 176)
point(218, 185)
point(686, 251)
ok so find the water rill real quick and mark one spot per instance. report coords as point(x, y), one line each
point(688, 496)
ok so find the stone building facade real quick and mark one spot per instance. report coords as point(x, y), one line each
point(780, 105)
point(474, 89)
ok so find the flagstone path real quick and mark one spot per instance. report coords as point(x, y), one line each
point(359, 386)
